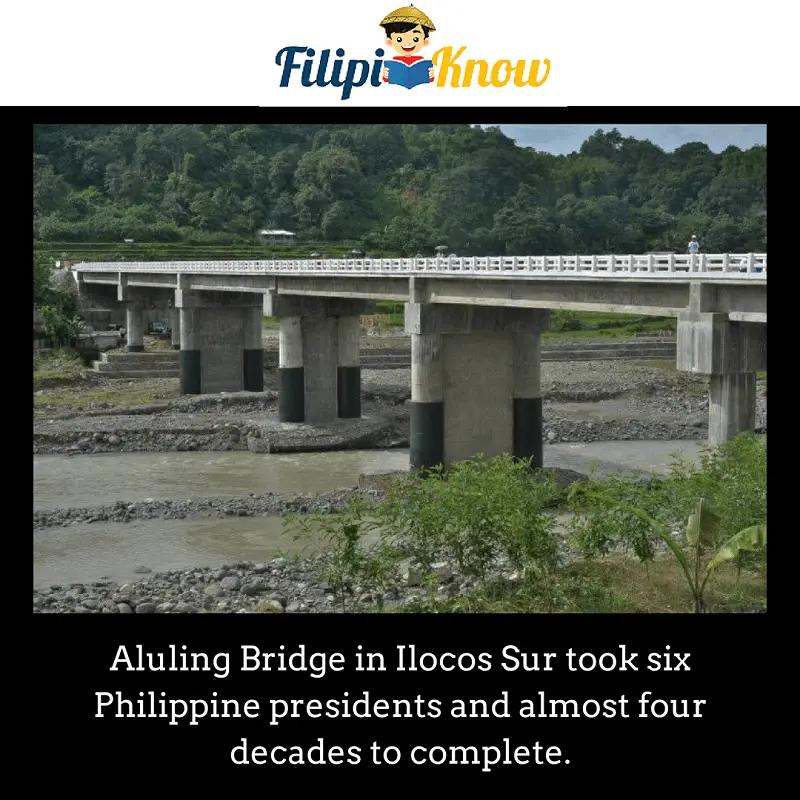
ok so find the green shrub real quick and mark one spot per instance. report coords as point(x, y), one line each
point(480, 511)
point(731, 479)
point(565, 321)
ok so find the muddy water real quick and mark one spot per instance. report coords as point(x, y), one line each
point(83, 553)
point(87, 552)
point(96, 480)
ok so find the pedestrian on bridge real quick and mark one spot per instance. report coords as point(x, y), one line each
point(694, 246)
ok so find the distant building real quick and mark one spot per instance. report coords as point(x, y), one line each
point(273, 237)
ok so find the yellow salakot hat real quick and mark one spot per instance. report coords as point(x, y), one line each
point(408, 14)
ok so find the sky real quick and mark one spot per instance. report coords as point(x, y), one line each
point(562, 139)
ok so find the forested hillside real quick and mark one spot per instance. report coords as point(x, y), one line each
point(393, 188)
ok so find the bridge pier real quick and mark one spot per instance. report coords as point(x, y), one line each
point(134, 326)
point(475, 382)
point(319, 371)
point(133, 301)
point(730, 353)
point(220, 342)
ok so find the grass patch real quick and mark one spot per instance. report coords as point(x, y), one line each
point(608, 326)
point(158, 345)
point(59, 367)
point(62, 374)
point(271, 323)
point(104, 397)
point(618, 585)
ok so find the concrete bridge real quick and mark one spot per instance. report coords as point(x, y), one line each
point(475, 326)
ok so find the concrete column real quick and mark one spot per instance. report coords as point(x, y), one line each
point(320, 354)
point(319, 376)
point(732, 406)
point(291, 380)
point(216, 330)
point(134, 327)
point(175, 327)
point(348, 378)
point(253, 353)
point(527, 432)
point(475, 386)
point(730, 353)
point(427, 401)
point(190, 353)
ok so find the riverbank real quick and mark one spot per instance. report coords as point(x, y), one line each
point(271, 504)
point(167, 555)
point(583, 402)
point(293, 585)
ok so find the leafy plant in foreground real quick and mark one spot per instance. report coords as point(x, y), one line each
point(348, 562)
point(702, 534)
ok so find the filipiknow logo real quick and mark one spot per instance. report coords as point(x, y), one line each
point(407, 31)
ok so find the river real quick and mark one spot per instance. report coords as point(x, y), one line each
point(88, 552)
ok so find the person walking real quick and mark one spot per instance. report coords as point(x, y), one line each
point(694, 246)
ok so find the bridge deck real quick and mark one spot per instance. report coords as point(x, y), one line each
point(722, 267)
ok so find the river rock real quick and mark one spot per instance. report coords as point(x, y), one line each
point(410, 573)
point(442, 571)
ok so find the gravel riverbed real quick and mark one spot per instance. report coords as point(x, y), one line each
point(278, 586)
point(281, 585)
point(583, 402)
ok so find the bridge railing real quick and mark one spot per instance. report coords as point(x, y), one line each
point(731, 265)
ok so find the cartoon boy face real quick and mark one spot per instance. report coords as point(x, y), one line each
point(408, 43)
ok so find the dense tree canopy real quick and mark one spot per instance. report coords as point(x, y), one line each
point(392, 187)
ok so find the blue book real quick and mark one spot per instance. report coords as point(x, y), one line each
point(402, 75)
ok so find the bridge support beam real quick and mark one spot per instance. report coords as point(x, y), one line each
point(319, 373)
point(730, 353)
point(220, 341)
point(475, 382)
